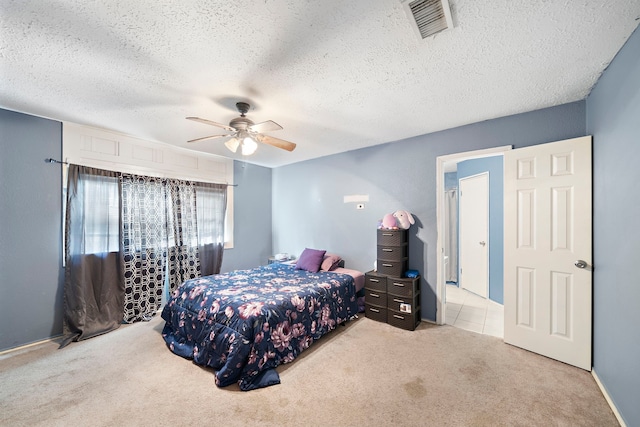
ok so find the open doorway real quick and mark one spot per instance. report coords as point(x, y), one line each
point(458, 297)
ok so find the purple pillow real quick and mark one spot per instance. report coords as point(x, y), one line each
point(330, 262)
point(310, 260)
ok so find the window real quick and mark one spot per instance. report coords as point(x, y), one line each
point(211, 201)
point(102, 226)
point(99, 147)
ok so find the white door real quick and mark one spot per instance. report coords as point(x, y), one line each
point(547, 231)
point(474, 235)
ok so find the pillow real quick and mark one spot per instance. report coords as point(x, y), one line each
point(310, 260)
point(330, 262)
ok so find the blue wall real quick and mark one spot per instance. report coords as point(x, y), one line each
point(252, 218)
point(308, 207)
point(450, 180)
point(30, 230)
point(613, 118)
point(493, 165)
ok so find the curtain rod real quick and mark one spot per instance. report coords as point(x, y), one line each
point(55, 161)
point(50, 160)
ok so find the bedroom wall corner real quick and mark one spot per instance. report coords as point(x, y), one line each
point(252, 244)
point(31, 231)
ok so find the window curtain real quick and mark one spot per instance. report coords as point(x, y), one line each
point(93, 288)
point(123, 234)
point(211, 209)
point(143, 244)
point(183, 259)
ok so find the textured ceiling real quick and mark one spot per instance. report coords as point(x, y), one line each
point(337, 75)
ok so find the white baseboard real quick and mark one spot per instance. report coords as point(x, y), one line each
point(608, 398)
point(26, 346)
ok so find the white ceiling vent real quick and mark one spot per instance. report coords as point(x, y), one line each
point(428, 17)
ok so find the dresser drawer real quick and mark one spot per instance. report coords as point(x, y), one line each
point(375, 297)
point(392, 253)
point(404, 305)
point(403, 286)
point(392, 268)
point(391, 237)
point(403, 320)
point(376, 313)
point(375, 282)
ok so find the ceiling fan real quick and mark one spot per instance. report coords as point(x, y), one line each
point(246, 134)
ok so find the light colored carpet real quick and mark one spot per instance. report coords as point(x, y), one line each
point(366, 373)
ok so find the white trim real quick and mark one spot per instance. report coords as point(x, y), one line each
point(110, 150)
point(608, 398)
point(26, 346)
point(441, 162)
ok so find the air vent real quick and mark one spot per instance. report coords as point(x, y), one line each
point(428, 17)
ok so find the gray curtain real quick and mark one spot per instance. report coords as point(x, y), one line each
point(183, 259)
point(211, 206)
point(143, 245)
point(451, 233)
point(93, 288)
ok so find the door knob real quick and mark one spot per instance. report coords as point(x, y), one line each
point(482, 243)
point(580, 264)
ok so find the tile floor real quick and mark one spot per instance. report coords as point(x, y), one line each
point(469, 311)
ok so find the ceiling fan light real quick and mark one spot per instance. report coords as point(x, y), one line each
point(249, 146)
point(233, 144)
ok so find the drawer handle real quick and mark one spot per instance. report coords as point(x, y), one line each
point(375, 310)
point(398, 284)
point(398, 300)
point(374, 280)
point(387, 250)
point(374, 295)
point(387, 265)
point(398, 317)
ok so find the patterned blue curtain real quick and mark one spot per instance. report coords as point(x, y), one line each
point(143, 244)
point(183, 259)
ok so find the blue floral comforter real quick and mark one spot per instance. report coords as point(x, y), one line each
point(245, 323)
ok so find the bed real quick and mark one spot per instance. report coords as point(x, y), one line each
point(245, 323)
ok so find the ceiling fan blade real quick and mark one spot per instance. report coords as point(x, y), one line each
point(276, 142)
point(212, 123)
point(210, 137)
point(267, 126)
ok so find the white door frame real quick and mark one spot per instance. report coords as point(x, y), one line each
point(441, 162)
